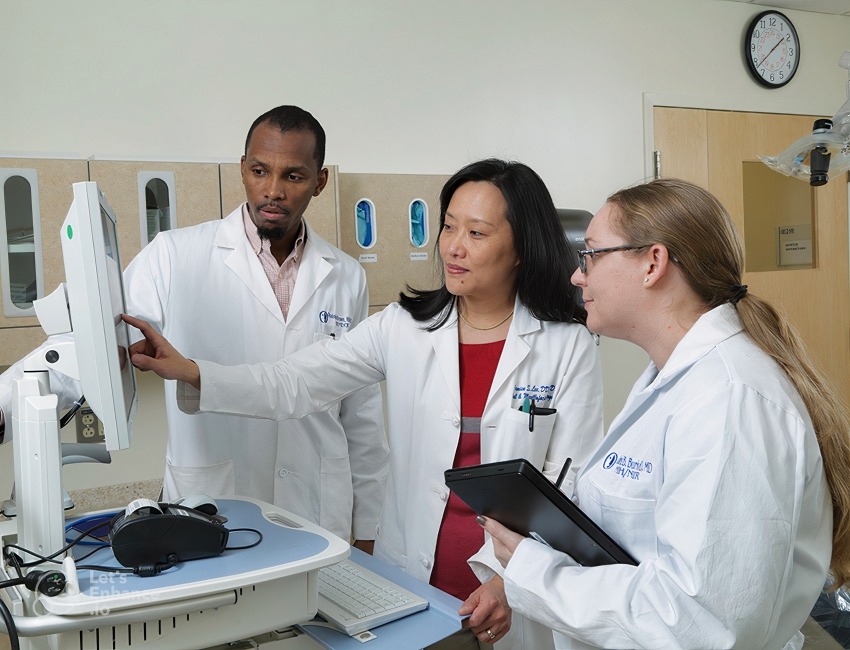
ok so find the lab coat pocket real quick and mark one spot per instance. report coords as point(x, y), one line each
point(517, 441)
point(629, 520)
point(387, 553)
point(337, 500)
point(214, 480)
point(332, 334)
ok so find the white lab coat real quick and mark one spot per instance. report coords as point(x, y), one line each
point(556, 363)
point(712, 479)
point(205, 289)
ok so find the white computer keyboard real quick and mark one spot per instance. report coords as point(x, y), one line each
point(354, 599)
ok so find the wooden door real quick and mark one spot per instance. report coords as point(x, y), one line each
point(710, 148)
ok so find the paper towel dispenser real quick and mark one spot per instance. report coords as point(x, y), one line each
point(575, 224)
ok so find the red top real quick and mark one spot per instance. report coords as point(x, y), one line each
point(460, 535)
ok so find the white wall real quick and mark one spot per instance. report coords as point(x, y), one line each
point(400, 87)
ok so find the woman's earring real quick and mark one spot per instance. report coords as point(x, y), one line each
point(645, 280)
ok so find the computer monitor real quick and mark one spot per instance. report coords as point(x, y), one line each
point(88, 306)
point(95, 290)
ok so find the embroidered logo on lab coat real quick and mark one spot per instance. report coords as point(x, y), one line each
point(340, 321)
point(626, 466)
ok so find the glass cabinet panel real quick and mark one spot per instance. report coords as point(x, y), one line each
point(366, 227)
point(417, 214)
point(156, 204)
point(21, 268)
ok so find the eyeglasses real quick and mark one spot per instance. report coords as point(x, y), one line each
point(591, 252)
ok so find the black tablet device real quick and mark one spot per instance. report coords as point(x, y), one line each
point(518, 495)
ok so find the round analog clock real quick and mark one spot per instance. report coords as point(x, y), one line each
point(771, 49)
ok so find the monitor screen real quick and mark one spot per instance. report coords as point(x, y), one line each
point(95, 289)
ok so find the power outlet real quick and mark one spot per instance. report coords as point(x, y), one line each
point(89, 426)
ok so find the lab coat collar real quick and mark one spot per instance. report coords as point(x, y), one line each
point(524, 321)
point(242, 261)
point(315, 266)
point(446, 351)
point(231, 233)
point(516, 349)
point(313, 269)
point(710, 330)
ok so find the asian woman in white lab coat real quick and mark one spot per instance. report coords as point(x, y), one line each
point(725, 473)
point(504, 329)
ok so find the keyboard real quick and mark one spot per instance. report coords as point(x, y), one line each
point(354, 599)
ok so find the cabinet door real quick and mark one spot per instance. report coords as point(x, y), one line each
point(195, 195)
point(389, 222)
point(37, 243)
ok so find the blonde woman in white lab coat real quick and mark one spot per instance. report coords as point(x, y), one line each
point(459, 362)
point(725, 473)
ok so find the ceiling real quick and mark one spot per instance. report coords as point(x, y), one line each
point(837, 7)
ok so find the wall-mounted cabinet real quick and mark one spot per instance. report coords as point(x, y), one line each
point(387, 222)
point(34, 198)
point(397, 247)
point(151, 196)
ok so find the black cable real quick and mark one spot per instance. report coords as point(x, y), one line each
point(15, 560)
point(41, 558)
point(143, 570)
point(96, 522)
point(11, 628)
point(86, 556)
point(50, 558)
point(105, 569)
point(245, 530)
point(11, 582)
point(72, 411)
point(148, 570)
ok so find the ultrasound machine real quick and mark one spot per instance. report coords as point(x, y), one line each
point(173, 577)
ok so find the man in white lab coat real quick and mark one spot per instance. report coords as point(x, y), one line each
point(253, 287)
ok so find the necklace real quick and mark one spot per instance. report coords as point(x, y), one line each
point(484, 329)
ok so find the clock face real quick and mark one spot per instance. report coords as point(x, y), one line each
point(772, 49)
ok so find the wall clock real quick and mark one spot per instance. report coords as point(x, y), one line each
point(771, 49)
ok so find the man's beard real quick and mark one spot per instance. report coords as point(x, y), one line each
point(272, 234)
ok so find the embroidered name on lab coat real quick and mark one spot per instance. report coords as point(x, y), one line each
point(626, 466)
point(535, 392)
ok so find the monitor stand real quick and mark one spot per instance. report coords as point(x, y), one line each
point(72, 452)
point(37, 455)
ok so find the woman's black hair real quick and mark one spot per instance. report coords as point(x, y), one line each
point(547, 260)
